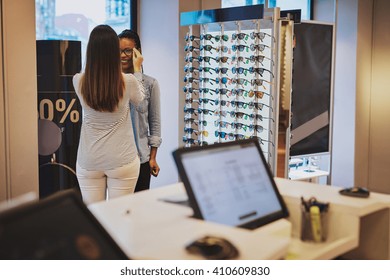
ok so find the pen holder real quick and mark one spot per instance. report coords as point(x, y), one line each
point(314, 224)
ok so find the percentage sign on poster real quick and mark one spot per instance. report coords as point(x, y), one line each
point(67, 109)
point(46, 110)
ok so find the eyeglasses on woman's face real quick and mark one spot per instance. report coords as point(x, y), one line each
point(128, 52)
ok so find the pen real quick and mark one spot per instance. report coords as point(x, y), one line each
point(315, 219)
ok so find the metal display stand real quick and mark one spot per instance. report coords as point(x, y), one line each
point(232, 69)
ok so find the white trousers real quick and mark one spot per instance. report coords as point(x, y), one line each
point(98, 185)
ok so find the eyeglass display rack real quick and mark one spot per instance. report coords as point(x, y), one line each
point(231, 71)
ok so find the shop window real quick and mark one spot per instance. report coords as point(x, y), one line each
point(303, 5)
point(74, 19)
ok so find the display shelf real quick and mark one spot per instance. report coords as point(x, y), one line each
point(231, 77)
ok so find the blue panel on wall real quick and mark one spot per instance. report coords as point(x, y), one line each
point(221, 15)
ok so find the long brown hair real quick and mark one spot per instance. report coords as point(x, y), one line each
point(102, 85)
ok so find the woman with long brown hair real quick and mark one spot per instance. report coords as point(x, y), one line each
point(107, 159)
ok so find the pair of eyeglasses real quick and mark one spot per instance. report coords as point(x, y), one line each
point(223, 49)
point(239, 70)
point(256, 127)
point(205, 69)
point(239, 115)
point(221, 113)
point(239, 126)
point(259, 58)
point(208, 48)
point(190, 69)
point(217, 38)
point(189, 37)
point(258, 106)
point(260, 71)
point(240, 81)
point(259, 117)
point(205, 111)
point(207, 80)
point(240, 48)
point(259, 47)
point(224, 135)
point(206, 59)
point(239, 92)
point(222, 102)
point(257, 93)
point(222, 70)
point(196, 122)
point(128, 52)
point(222, 59)
point(190, 90)
point(191, 58)
point(207, 90)
point(245, 60)
point(191, 79)
point(189, 48)
point(190, 110)
point(189, 140)
point(190, 130)
point(262, 141)
point(240, 36)
point(260, 35)
point(223, 91)
point(239, 104)
point(259, 82)
point(222, 124)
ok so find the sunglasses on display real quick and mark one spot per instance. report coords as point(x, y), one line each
point(206, 59)
point(239, 126)
point(205, 111)
point(239, 92)
point(223, 91)
point(224, 135)
point(259, 117)
point(239, 115)
point(190, 111)
point(207, 90)
point(259, 58)
point(222, 70)
point(240, 81)
point(259, 82)
point(259, 47)
point(239, 104)
point(189, 37)
point(189, 48)
point(259, 71)
point(222, 102)
point(258, 106)
point(206, 69)
point(240, 59)
point(190, 69)
point(190, 90)
point(189, 140)
point(257, 93)
point(259, 35)
point(221, 124)
point(240, 48)
point(208, 48)
point(221, 113)
point(239, 70)
point(222, 59)
point(196, 122)
point(191, 80)
point(257, 127)
point(223, 49)
point(240, 36)
point(217, 38)
point(191, 58)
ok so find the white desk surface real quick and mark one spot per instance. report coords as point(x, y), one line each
point(302, 174)
point(147, 228)
point(154, 229)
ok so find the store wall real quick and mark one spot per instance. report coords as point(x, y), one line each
point(18, 94)
point(373, 97)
